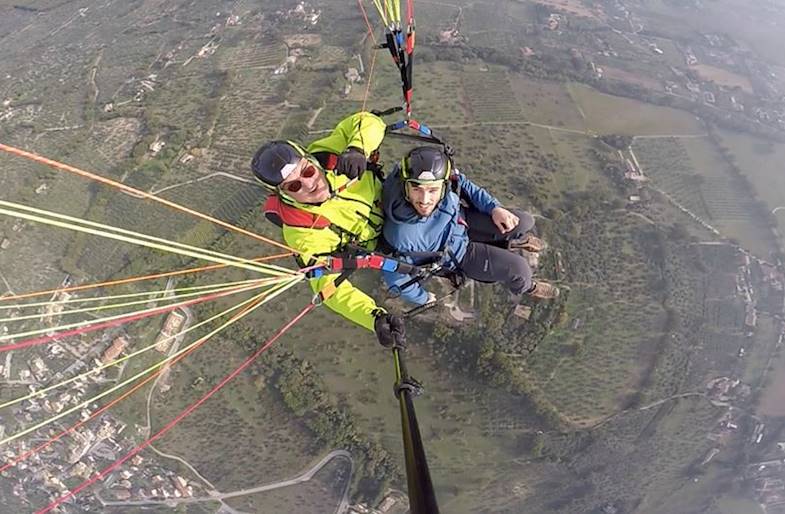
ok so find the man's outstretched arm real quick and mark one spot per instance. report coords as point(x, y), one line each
point(362, 130)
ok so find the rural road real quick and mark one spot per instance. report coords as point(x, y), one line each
point(216, 496)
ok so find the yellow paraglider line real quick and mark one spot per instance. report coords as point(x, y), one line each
point(118, 234)
point(131, 280)
point(41, 392)
point(98, 308)
point(91, 299)
point(128, 189)
point(98, 321)
point(152, 368)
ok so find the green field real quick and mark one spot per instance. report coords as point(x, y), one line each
point(320, 494)
point(490, 96)
point(695, 174)
point(730, 505)
point(548, 103)
point(496, 25)
point(761, 162)
point(606, 114)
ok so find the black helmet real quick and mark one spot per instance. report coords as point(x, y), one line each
point(275, 160)
point(426, 164)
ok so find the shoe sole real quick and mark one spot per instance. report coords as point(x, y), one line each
point(554, 296)
point(528, 248)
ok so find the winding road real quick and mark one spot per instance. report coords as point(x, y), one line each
point(216, 496)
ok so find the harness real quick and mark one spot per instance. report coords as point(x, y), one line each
point(280, 213)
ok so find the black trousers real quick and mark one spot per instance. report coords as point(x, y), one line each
point(488, 258)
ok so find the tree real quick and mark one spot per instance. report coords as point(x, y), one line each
point(538, 446)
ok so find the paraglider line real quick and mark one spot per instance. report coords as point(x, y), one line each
point(135, 279)
point(128, 236)
point(182, 414)
point(111, 321)
point(41, 392)
point(24, 456)
point(136, 376)
point(128, 189)
point(192, 291)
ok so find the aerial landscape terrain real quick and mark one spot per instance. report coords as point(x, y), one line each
point(647, 137)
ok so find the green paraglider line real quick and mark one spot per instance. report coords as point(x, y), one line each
point(141, 373)
point(185, 413)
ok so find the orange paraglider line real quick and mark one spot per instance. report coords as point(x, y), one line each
point(99, 476)
point(32, 451)
point(134, 279)
point(128, 189)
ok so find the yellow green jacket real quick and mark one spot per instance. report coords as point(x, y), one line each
point(355, 214)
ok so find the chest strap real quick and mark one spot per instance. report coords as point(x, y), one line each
point(348, 262)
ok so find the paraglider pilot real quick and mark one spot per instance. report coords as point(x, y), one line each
point(326, 197)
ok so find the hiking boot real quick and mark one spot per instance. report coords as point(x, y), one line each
point(543, 291)
point(529, 243)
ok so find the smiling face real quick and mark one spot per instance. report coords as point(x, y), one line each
point(424, 197)
point(306, 184)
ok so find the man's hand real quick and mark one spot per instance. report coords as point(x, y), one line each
point(390, 330)
point(504, 219)
point(352, 163)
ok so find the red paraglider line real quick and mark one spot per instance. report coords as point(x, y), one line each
point(180, 416)
point(134, 279)
point(120, 321)
point(159, 371)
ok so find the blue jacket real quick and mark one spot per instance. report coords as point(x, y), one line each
point(442, 231)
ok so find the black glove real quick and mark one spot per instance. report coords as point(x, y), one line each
point(352, 163)
point(390, 330)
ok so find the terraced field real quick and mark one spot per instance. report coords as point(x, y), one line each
point(113, 140)
point(261, 54)
point(490, 96)
point(667, 163)
point(694, 174)
point(761, 163)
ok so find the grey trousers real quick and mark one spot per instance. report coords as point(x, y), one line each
point(488, 258)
